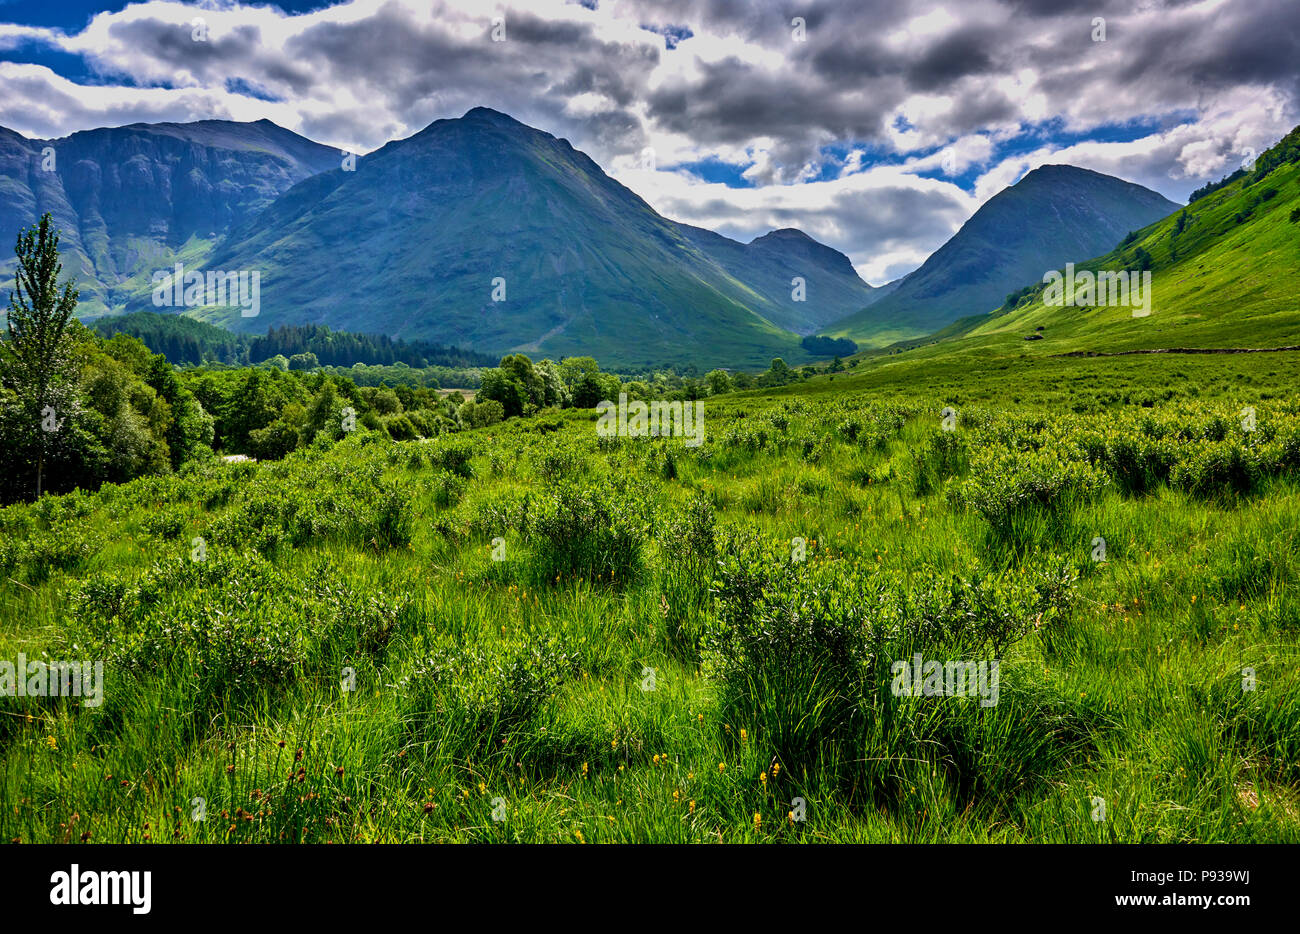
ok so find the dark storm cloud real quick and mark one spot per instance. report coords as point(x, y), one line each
point(769, 21)
point(178, 46)
point(960, 55)
point(390, 51)
point(533, 30)
point(733, 102)
point(980, 106)
point(1082, 8)
point(616, 75)
point(1246, 42)
point(853, 59)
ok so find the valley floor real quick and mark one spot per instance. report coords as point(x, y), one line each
point(529, 633)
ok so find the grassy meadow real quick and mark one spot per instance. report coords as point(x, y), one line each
point(529, 633)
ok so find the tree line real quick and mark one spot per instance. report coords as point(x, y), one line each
point(185, 341)
point(82, 407)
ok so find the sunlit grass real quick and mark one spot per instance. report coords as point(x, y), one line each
point(583, 708)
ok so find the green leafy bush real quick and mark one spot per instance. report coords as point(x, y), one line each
point(945, 454)
point(687, 553)
point(1004, 484)
point(586, 532)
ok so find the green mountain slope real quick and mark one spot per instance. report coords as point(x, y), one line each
point(1224, 273)
point(772, 263)
point(1055, 214)
point(129, 200)
point(418, 239)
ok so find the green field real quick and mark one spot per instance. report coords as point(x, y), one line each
point(650, 661)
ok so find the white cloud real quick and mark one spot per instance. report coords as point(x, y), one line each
point(899, 217)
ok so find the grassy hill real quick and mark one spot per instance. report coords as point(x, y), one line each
point(1224, 271)
point(1055, 214)
point(1222, 278)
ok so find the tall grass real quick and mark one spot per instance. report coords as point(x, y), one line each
point(607, 640)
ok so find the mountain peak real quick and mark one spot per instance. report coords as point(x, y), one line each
point(474, 119)
point(783, 233)
point(1055, 214)
point(1057, 172)
point(792, 241)
point(488, 115)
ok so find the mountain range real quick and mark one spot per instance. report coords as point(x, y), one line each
point(129, 200)
point(483, 232)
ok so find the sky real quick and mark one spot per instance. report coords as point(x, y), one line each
point(876, 126)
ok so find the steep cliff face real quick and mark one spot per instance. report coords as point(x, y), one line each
point(131, 199)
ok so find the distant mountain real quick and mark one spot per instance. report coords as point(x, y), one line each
point(418, 240)
point(774, 262)
point(1223, 273)
point(1054, 215)
point(129, 200)
point(410, 240)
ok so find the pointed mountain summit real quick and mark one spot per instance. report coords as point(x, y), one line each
point(776, 263)
point(485, 232)
point(1054, 215)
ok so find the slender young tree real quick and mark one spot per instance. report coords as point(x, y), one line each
point(36, 362)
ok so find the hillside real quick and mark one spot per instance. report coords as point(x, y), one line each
point(1223, 273)
point(770, 264)
point(416, 241)
point(1055, 214)
point(129, 200)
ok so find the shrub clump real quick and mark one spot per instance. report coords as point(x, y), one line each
point(470, 699)
point(1006, 484)
point(802, 651)
point(586, 533)
point(687, 549)
point(945, 454)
